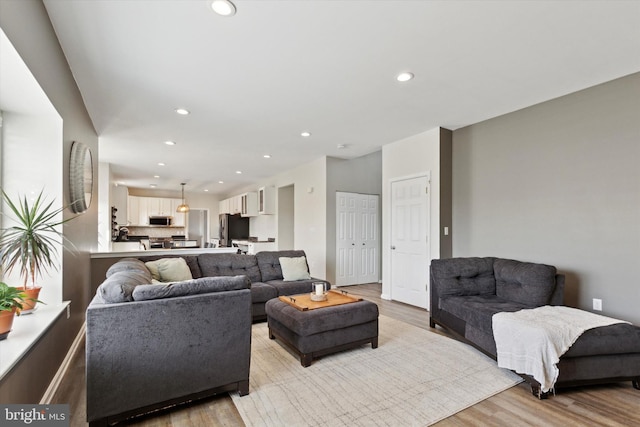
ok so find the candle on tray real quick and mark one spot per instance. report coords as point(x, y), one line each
point(319, 288)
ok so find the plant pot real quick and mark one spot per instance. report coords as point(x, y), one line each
point(29, 305)
point(6, 322)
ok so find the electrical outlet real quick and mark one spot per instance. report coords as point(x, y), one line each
point(597, 304)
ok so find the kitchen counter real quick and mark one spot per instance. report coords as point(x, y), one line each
point(251, 247)
point(153, 252)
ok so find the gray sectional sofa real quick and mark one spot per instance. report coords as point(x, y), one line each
point(150, 346)
point(263, 270)
point(467, 292)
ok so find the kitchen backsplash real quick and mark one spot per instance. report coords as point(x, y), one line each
point(155, 232)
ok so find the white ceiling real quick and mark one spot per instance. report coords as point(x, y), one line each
point(254, 81)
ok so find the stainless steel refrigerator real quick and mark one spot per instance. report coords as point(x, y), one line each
point(233, 227)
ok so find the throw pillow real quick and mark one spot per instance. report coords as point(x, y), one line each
point(119, 286)
point(294, 268)
point(169, 270)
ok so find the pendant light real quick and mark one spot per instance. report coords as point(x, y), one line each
point(183, 207)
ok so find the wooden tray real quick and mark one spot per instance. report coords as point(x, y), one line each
point(334, 297)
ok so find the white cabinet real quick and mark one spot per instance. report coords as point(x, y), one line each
point(133, 210)
point(223, 206)
point(249, 204)
point(139, 209)
point(235, 205)
point(267, 201)
point(178, 217)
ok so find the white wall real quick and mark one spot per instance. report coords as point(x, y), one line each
point(410, 157)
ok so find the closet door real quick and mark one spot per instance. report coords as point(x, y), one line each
point(368, 242)
point(346, 207)
point(357, 238)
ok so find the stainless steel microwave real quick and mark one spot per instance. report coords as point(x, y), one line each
point(160, 220)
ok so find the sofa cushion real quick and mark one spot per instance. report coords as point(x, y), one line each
point(294, 268)
point(524, 282)
point(119, 286)
point(169, 270)
point(262, 292)
point(478, 310)
point(294, 288)
point(191, 260)
point(620, 338)
point(229, 265)
point(202, 285)
point(464, 276)
point(269, 263)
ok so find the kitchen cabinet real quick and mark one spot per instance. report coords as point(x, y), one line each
point(249, 204)
point(179, 218)
point(223, 206)
point(133, 208)
point(143, 211)
point(139, 209)
point(235, 205)
point(267, 200)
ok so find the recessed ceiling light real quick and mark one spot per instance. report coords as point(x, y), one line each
point(170, 142)
point(341, 146)
point(305, 134)
point(404, 77)
point(220, 182)
point(160, 164)
point(238, 172)
point(267, 156)
point(206, 190)
point(223, 7)
point(156, 176)
point(152, 185)
point(182, 111)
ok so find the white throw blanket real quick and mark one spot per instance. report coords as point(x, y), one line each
point(532, 341)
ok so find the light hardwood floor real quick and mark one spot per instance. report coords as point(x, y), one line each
point(610, 405)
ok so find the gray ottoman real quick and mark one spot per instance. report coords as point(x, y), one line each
point(322, 331)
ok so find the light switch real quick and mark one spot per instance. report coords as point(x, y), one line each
point(446, 231)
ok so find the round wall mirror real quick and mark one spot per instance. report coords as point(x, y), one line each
point(80, 177)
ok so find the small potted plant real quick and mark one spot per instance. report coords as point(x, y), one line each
point(11, 300)
point(32, 243)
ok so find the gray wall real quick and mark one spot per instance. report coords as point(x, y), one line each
point(27, 26)
point(360, 175)
point(558, 183)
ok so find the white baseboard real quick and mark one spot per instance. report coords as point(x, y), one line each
point(385, 297)
point(64, 367)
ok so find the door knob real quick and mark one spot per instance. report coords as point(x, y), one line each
point(393, 248)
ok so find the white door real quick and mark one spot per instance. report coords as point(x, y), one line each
point(410, 255)
point(346, 207)
point(367, 242)
point(357, 238)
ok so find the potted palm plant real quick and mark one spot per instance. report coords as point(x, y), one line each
point(31, 244)
point(11, 299)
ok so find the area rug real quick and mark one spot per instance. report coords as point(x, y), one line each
point(415, 377)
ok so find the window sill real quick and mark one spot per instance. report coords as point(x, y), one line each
point(26, 331)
